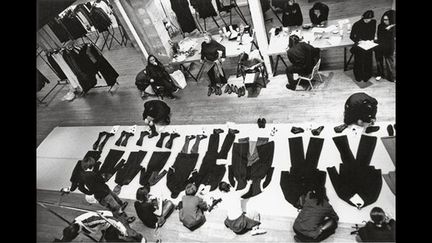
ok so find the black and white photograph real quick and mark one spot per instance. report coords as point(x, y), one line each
point(216, 121)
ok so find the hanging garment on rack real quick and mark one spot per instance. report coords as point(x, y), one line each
point(204, 8)
point(100, 19)
point(355, 175)
point(41, 80)
point(73, 80)
point(74, 26)
point(83, 71)
point(58, 30)
point(82, 11)
point(303, 175)
point(58, 71)
point(102, 65)
point(184, 15)
point(109, 12)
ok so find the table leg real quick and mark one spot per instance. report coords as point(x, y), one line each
point(345, 60)
point(199, 72)
point(187, 70)
point(275, 66)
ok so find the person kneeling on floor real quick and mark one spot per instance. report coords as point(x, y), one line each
point(237, 220)
point(156, 112)
point(149, 210)
point(317, 219)
point(113, 229)
point(192, 208)
point(382, 228)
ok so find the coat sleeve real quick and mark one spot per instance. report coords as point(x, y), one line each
point(354, 33)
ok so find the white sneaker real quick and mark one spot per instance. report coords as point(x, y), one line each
point(258, 232)
point(378, 78)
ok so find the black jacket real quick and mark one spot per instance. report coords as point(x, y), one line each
point(142, 80)
point(292, 15)
point(96, 185)
point(360, 106)
point(100, 19)
point(82, 68)
point(210, 51)
point(157, 72)
point(303, 56)
point(362, 31)
point(184, 15)
point(59, 30)
point(145, 212)
point(372, 233)
point(157, 109)
point(303, 175)
point(355, 175)
point(204, 8)
point(324, 12)
point(386, 39)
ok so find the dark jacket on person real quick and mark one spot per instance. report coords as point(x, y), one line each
point(386, 38)
point(312, 215)
point(363, 31)
point(204, 8)
point(372, 233)
point(157, 72)
point(157, 109)
point(292, 15)
point(304, 56)
point(324, 12)
point(210, 51)
point(95, 184)
point(191, 214)
point(145, 212)
point(142, 80)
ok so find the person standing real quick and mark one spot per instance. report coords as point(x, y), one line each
point(386, 45)
point(363, 30)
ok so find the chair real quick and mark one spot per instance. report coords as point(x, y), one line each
point(312, 75)
point(242, 72)
point(228, 9)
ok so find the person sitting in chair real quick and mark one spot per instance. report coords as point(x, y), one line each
point(319, 14)
point(160, 77)
point(303, 58)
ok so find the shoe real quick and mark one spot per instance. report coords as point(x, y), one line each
point(233, 131)
point(340, 128)
point(290, 87)
point(235, 90)
point(378, 78)
point(258, 232)
point(219, 91)
point(217, 131)
point(296, 130)
point(117, 189)
point(131, 219)
point(259, 122)
point(230, 88)
point(317, 131)
point(124, 205)
point(371, 129)
point(210, 91)
point(227, 87)
point(390, 130)
point(263, 122)
point(243, 91)
point(240, 92)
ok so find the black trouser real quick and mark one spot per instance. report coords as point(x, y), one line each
point(128, 172)
point(226, 145)
point(109, 167)
point(216, 79)
point(156, 163)
point(238, 166)
point(355, 175)
point(178, 174)
point(290, 70)
point(260, 169)
point(328, 227)
point(362, 63)
point(385, 64)
point(303, 175)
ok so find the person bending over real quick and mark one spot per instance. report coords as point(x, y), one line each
point(156, 112)
point(385, 50)
point(100, 221)
point(212, 55)
point(238, 221)
point(382, 228)
point(160, 77)
point(303, 58)
point(192, 208)
point(319, 14)
point(317, 219)
point(146, 206)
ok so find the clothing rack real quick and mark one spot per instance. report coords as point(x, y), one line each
point(59, 82)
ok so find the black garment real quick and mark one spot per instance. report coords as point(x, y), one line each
point(360, 106)
point(303, 175)
point(74, 26)
point(155, 165)
point(324, 12)
point(161, 78)
point(142, 81)
point(102, 65)
point(157, 109)
point(41, 80)
point(178, 174)
point(123, 139)
point(356, 176)
point(385, 50)
point(76, 177)
point(129, 170)
point(84, 11)
point(204, 8)
point(110, 166)
point(362, 58)
point(81, 68)
point(101, 21)
point(184, 15)
point(303, 58)
point(237, 169)
point(210, 51)
point(163, 135)
point(265, 5)
point(226, 145)
point(96, 185)
point(145, 212)
point(59, 30)
point(372, 233)
point(56, 67)
point(292, 15)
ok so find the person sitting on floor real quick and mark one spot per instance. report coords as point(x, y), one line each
point(319, 14)
point(212, 56)
point(146, 205)
point(303, 58)
point(237, 220)
point(317, 219)
point(100, 221)
point(76, 178)
point(192, 208)
point(382, 228)
point(156, 112)
point(160, 77)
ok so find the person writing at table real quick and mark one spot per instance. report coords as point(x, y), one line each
point(319, 14)
point(212, 55)
point(292, 15)
point(385, 49)
point(160, 77)
point(363, 30)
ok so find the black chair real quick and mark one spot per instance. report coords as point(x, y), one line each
point(228, 9)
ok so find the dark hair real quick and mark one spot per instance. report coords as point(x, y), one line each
point(318, 6)
point(368, 14)
point(142, 193)
point(244, 57)
point(225, 187)
point(157, 61)
point(293, 40)
point(391, 14)
point(191, 189)
point(320, 195)
point(377, 215)
point(70, 232)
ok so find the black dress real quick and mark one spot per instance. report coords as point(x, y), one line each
point(184, 15)
point(292, 15)
point(362, 58)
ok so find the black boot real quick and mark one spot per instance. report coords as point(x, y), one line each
point(153, 132)
point(317, 131)
point(390, 130)
point(340, 128)
point(371, 129)
point(217, 131)
point(296, 130)
point(233, 131)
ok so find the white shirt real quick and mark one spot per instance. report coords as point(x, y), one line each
point(232, 202)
